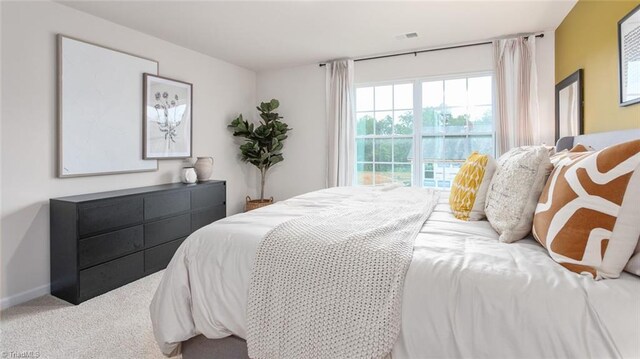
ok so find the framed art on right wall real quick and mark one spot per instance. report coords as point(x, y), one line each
point(629, 57)
point(570, 106)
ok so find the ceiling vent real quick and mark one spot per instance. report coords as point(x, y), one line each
point(409, 35)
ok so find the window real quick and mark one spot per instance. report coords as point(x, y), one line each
point(455, 118)
point(384, 134)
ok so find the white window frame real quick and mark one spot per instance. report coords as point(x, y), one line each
point(376, 136)
point(417, 164)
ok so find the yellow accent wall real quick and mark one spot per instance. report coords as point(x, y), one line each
point(588, 39)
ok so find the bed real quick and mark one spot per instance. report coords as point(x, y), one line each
point(465, 294)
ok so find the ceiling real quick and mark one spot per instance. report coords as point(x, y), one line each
point(263, 35)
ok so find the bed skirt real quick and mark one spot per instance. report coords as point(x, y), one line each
point(201, 347)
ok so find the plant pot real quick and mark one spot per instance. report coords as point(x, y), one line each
point(252, 204)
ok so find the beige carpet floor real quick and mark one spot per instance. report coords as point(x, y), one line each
point(113, 325)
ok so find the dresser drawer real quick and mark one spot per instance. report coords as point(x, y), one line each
point(105, 277)
point(203, 217)
point(158, 258)
point(98, 249)
point(208, 196)
point(99, 216)
point(162, 205)
point(167, 230)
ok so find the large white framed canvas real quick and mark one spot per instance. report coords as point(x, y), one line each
point(100, 97)
point(167, 117)
point(629, 57)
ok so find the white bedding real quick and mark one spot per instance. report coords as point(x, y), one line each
point(465, 294)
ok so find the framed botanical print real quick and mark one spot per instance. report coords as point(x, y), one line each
point(167, 118)
point(629, 57)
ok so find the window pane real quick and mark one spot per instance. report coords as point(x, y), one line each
point(403, 122)
point(383, 98)
point(364, 149)
point(364, 123)
point(383, 150)
point(481, 119)
point(364, 174)
point(402, 174)
point(428, 175)
point(455, 119)
point(455, 148)
point(383, 174)
point(384, 123)
point(403, 96)
point(446, 172)
point(432, 148)
point(482, 144)
point(364, 99)
point(402, 150)
point(439, 174)
point(428, 170)
point(436, 174)
point(432, 95)
point(432, 120)
point(455, 92)
point(480, 90)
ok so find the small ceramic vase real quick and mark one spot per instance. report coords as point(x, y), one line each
point(204, 167)
point(189, 175)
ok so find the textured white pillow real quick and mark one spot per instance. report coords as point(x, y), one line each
point(477, 213)
point(633, 266)
point(515, 189)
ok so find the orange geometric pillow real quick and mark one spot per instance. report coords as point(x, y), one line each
point(558, 156)
point(579, 148)
point(588, 214)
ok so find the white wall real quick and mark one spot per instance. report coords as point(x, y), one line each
point(28, 137)
point(454, 61)
point(301, 92)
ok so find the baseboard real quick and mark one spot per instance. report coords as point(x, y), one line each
point(24, 296)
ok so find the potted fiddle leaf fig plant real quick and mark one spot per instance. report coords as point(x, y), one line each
point(262, 145)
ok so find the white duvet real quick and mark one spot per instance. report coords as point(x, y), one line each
point(465, 296)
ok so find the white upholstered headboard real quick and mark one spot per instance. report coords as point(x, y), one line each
point(599, 140)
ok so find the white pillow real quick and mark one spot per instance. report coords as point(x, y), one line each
point(633, 266)
point(515, 189)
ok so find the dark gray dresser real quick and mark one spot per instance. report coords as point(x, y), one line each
point(102, 241)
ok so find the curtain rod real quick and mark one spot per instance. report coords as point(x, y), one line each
point(415, 53)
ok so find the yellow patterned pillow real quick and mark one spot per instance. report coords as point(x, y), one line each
point(470, 186)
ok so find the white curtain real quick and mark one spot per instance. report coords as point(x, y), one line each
point(517, 93)
point(341, 122)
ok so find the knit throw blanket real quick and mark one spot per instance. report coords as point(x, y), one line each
point(329, 284)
